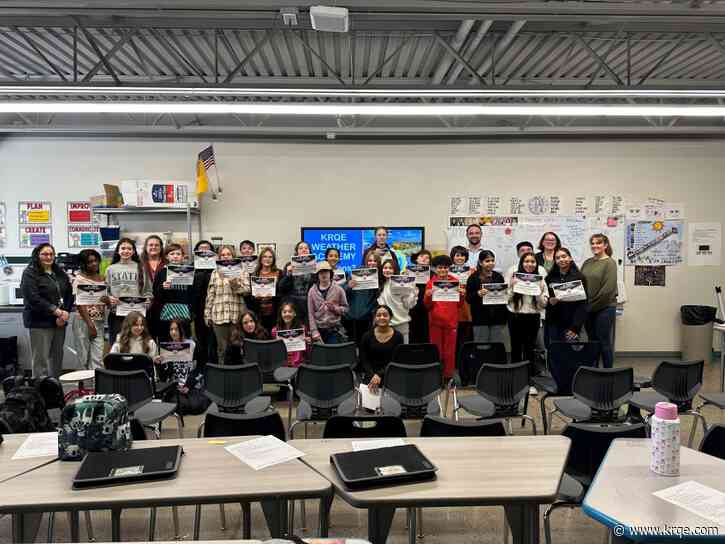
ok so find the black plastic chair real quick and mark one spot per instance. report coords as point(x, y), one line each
point(712, 399)
point(363, 427)
point(333, 354)
point(271, 356)
point(324, 392)
point(226, 424)
point(235, 389)
point(500, 393)
point(473, 355)
point(137, 361)
point(589, 445)
point(678, 383)
point(440, 426)
point(713, 443)
point(411, 391)
point(564, 359)
point(416, 354)
point(599, 393)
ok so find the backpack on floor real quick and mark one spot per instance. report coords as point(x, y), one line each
point(24, 409)
point(94, 423)
point(8, 357)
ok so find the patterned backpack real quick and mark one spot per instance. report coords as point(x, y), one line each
point(24, 409)
point(94, 423)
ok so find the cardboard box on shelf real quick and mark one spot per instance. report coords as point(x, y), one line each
point(159, 194)
point(111, 198)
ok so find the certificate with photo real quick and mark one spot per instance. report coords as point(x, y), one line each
point(446, 291)
point(90, 294)
point(176, 352)
point(204, 260)
point(180, 274)
point(339, 276)
point(231, 268)
point(264, 286)
point(460, 271)
point(421, 273)
point(365, 278)
point(294, 339)
point(126, 305)
point(571, 291)
point(249, 263)
point(302, 265)
point(496, 293)
point(401, 284)
point(527, 284)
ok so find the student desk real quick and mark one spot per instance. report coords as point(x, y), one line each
point(621, 495)
point(518, 472)
point(208, 474)
point(10, 469)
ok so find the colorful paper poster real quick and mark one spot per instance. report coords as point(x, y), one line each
point(649, 276)
point(79, 212)
point(82, 236)
point(31, 236)
point(704, 244)
point(544, 205)
point(34, 212)
point(653, 243)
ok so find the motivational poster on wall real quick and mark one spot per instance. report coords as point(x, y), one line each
point(79, 212)
point(34, 212)
point(83, 236)
point(30, 236)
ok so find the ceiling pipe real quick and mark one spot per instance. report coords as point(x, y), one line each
point(445, 63)
point(501, 47)
point(470, 50)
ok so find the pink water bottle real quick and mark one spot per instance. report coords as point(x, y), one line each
point(665, 434)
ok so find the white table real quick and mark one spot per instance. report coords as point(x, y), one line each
point(621, 495)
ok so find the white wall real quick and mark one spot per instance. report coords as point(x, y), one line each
point(271, 189)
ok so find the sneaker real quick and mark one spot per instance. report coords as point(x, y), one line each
point(533, 391)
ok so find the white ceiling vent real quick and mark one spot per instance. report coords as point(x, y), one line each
point(329, 19)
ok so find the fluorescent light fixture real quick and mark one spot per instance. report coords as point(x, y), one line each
point(390, 110)
point(70, 90)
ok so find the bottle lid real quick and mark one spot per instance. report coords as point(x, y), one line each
point(666, 410)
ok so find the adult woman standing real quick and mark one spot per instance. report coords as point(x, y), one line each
point(297, 287)
point(548, 245)
point(224, 303)
point(48, 299)
point(266, 307)
point(88, 328)
point(205, 340)
point(153, 261)
point(489, 320)
point(377, 347)
point(600, 273)
point(564, 319)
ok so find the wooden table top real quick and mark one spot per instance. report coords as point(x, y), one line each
point(10, 468)
point(471, 471)
point(621, 493)
point(208, 473)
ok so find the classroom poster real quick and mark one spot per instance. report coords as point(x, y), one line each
point(653, 243)
point(78, 212)
point(83, 236)
point(34, 212)
point(3, 225)
point(649, 276)
point(30, 236)
point(704, 244)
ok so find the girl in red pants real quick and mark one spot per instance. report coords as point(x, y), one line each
point(443, 315)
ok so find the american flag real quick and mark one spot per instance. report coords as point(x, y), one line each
point(207, 157)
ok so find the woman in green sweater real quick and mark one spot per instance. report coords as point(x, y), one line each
point(600, 274)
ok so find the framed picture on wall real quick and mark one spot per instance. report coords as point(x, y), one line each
point(262, 245)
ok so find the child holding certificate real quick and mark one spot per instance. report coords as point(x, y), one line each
point(296, 287)
point(171, 298)
point(289, 321)
point(87, 285)
point(362, 302)
point(443, 314)
point(266, 305)
point(326, 304)
point(567, 308)
point(525, 303)
point(136, 338)
point(400, 304)
point(485, 286)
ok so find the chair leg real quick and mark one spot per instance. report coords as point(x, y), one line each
point(152, 525)
point(179, 424)
point(223, 517)
point(506, 530)
point(419, 522)
point(547, 516)
point(247, 521)
point(696, 416)
point(542, 409)
point(291, 391)
point(89, 526)
point(177, 526)
point(411, 526)
point(407, 518)
point(525, 417)
point(291, 519)
point(509, 427)
point(456, 407)
point(197, 521)
point(51, 526)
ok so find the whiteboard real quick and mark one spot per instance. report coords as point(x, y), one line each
point(573, 231)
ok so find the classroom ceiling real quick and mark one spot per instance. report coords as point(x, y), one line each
point(414, 45)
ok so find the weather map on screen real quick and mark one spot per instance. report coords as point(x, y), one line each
point(352, 241)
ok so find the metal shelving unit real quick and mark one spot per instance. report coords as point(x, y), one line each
point(188, 211)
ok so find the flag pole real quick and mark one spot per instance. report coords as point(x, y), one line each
point(216, 172)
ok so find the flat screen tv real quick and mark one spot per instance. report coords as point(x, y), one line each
point(352, 242)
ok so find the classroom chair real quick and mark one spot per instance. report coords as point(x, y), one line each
point(471, 357)
point(500, 392)
point(333, 354)
point(229, 424)
point(713, 443)
point(235, 389)
point(271, 356)
point(564, 359)
point(416, 354)
point(712, 399)
point(599, 393)
point(364, 427)
point(678, 383)
point(411, 391)
point(137, 361)
point(589, 445)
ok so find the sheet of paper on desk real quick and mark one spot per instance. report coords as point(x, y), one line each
point(38, 445)
point(362, 445)
point(699, 499)
point(264, 452)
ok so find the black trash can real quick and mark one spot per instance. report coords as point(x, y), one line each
point(697, 324)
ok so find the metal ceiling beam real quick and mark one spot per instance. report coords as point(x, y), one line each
point(602, 63)
point(107, 57)
point(455, 45)
point(232, 74)
point(662, 59)
point(499, 49)
point(457, 56)
point(470, 49)
point(40, 53)
point(98, 52)
point(310, 49)
point(385, 61)
point(598, 69)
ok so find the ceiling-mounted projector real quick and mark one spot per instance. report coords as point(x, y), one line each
point(329, 19)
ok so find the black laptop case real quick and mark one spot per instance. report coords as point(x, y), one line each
point(135, 465)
